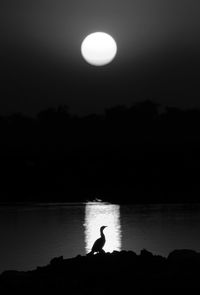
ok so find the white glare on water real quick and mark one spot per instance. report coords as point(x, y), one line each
point(97, 215)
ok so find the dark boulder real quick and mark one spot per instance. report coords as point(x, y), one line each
point(109, 273)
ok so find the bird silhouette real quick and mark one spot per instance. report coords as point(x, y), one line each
point(99, 243)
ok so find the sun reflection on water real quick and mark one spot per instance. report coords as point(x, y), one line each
point(97, 215)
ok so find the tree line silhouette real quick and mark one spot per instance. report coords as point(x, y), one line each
point(142, 153)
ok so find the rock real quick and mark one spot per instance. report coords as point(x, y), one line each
point(146, 254)
point(109, 273)
point(56, 261)
point(182, 255)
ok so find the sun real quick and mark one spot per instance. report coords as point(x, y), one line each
point(98, 49)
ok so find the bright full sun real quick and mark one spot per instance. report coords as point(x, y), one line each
point(98, 49)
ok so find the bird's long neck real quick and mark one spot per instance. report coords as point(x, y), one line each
point(102, 234)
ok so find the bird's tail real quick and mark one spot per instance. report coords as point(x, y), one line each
point(90, 253)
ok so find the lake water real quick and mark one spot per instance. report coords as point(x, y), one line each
point(32, 235)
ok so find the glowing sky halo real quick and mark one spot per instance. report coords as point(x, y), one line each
point(98, 49)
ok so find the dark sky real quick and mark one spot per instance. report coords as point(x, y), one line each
point(41, 65)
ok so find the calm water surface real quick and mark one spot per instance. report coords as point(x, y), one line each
point(32, 235)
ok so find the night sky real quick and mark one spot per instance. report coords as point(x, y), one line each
point(41, 64)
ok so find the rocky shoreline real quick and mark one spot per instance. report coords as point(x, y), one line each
point(108, 273)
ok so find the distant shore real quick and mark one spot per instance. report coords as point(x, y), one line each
point(93, 201)
point(109, 273)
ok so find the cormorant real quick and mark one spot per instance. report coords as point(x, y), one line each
point(99, 243)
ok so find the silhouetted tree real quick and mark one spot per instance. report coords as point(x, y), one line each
point(136, 149)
